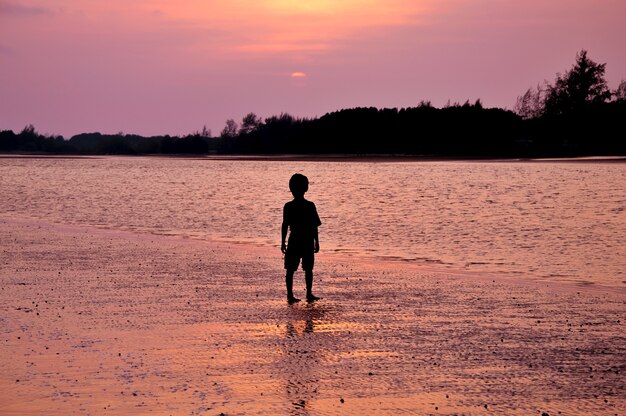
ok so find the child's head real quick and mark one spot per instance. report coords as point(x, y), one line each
point(298, 184)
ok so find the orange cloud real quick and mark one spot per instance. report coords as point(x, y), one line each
point(298, 74)
point(289, 26)
point(201, 31)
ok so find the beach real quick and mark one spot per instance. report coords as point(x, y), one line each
point(450, 174)
point(100, 321)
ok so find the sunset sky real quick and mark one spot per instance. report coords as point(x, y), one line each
point(171, 67)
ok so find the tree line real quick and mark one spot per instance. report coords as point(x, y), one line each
point(576, 115)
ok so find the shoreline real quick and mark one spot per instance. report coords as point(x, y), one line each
point(106, 321)
point(366, 262)
point(383, 158)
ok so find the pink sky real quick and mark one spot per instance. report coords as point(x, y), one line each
point(173, 66)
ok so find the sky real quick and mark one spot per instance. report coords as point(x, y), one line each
point(173, 66)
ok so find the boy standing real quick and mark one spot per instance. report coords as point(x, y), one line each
point(301, 219)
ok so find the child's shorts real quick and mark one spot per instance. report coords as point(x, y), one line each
point(292, 259)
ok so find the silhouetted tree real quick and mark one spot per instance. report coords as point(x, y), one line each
point(8, 141)
point(250, 123)
point(230, 130)
point(620, 92)
point(30, 140)
point(532, 103)
point(578, 88)
point(29, 130)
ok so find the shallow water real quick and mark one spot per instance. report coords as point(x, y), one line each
point(562, 221)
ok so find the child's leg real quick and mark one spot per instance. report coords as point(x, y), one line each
point(308, 275)
point(289, 284)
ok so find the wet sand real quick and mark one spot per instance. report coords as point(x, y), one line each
point(109, 322)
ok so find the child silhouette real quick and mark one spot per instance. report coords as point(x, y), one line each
point(301, 219)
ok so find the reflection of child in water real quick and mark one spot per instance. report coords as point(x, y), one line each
point(301, 219)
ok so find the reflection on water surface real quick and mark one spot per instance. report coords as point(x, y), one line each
point(549, 220)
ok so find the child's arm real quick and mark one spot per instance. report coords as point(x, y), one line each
point(283, 234)
point(317, 240)
point(283, 231)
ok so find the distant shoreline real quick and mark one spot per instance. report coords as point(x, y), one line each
point(407, 158)
point(326, 158)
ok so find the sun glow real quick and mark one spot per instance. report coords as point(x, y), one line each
point(314, 7)
point(289, 26)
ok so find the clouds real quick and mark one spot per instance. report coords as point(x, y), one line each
point(12, 9)
point(269, 28)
